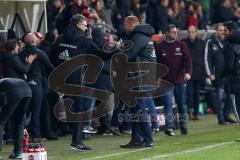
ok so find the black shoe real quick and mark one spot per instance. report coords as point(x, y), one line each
point(148, 145)
point(107, 133)
point(80, 147)
point(52, 136)
point(132, 144)
point(222, 123)
point(169, 132)
point(15, 155)
point(230, 120)
point(183, 131)
point(9, 141)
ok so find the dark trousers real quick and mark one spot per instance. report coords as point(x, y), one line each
point(9, 129)
point(57, 125)
point(35, 108)
point(46, 114)
point(16, 108)
point(140, 119)
point(193, 96)
point(119, 115)
point(104, 83)
point(77, 127)
point(228, 106)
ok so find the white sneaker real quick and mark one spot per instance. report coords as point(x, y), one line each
point(89, 129)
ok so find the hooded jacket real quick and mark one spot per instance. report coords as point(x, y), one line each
point(143, 48)
point(72, 43)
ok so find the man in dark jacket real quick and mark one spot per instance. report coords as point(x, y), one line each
point(18, 97)
point(214, 64)
point(232, 62)
point(13, 66)
point(196, 48)
point(175, 55)
point(34, 79)
point(74, 42)
point(142, 51)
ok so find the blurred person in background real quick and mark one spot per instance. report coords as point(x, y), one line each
point(196, 48)
point(172, 51)
point(214, 65)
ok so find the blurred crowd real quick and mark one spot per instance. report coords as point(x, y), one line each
point(158, 13)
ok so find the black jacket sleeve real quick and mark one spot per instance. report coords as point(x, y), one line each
point(15, 63)
point(42, 57)
point(229, 58)
point(136, 48)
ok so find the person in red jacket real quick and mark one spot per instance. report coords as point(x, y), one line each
point(175, 55)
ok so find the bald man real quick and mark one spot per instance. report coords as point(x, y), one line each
point(196, 48)
point(142, 51)
point(34, 79)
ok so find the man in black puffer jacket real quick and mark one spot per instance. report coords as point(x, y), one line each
point(232, 61)
point(74, 42)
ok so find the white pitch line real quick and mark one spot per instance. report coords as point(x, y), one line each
point(188, 151)
point(116, 154)
point(138, 150)
point(164, 155)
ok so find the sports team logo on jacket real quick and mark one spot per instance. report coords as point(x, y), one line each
point(64, 55)
point(178, 51)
